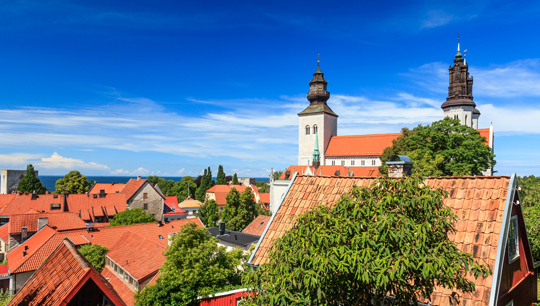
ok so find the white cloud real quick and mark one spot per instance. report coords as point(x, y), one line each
point(179, 172)
point(59, 162)
point(515, 79)
point(119, 171)
point(436, 18)
point(18, 159)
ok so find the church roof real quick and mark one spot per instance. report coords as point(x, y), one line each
point(458, 102)
point(360, 145)
point(316, 108)
point(326, 170)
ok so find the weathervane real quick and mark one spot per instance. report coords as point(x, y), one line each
point(318, 59)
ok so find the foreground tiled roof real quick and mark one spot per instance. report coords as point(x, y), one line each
point(221, 191)
point(478, 202)
point(329, 170)
point(62, 272)
point(137, 255)
point(257, 226)
point(60, 221)
point(4, 232)
point(37, 247)
point(126, 294)
point(109, 188)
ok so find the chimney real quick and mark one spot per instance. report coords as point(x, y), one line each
point(221, 228)
point(138, 177)
point(89, 227)
point(399, 166)
point(102, 193)
point(34, 195)
point(41, 222)
point(24, 233)
point(112, 184)
point(23, 253)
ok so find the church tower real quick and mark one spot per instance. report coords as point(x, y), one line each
point(316, 122)
point(459, 103)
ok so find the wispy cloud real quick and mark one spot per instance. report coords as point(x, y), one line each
point(60, 162)
point(436, 18)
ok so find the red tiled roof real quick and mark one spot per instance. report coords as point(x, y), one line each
point(478, 202)
point(60, 221)
point(172, 207)
point(5, 199)
point(137, 255)
point(60, 277)
point(328, 170)
point(484, 133)
point(257, 226)
point(265, 197)
point(109, 188)
point(3, 270)
point(190, 203)
point(78, 240)
point(360, 145)
point(126, 294)
point(221, 191)
point(84, 204)
point(38, 250)
point(132, 187)
point(4, 233)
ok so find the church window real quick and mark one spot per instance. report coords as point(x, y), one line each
point(307, 129)
point(363, 163)
point(314, 129)
point(343, 163)
point(352, 162)
point(373, 162)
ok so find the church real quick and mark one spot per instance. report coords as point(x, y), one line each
point(322, 152)
point(318, 125)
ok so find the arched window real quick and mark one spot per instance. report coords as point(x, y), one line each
point(314, 129)
point(307, 129)
point(465, 119)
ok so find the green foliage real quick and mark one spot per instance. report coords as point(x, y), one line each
point(261, 210)
point(262, 186)
point(73, 182)
point(209, 213)
point(132, 216)
point(220, 179)
point(532, 223)
point(30, 182)
point(530, 190)
point(235, 179)
point(276, 174)
point(387, 239)
point(443, 148)
point(240, 210)
point(180, 189)
point(206, 183)
point(95, 254)
point(195, 266)
point(5, 297)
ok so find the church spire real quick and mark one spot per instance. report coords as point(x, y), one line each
point(316, 153)
point(460, 85)
point(318, 95)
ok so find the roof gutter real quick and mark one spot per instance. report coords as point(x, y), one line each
point(503, 237)
point(269, 223)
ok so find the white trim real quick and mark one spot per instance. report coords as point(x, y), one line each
point(272, 219)
point(501, 246)
point(225, 293)
point(517, 240)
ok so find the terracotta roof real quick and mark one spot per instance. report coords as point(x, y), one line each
point(137, 255)
point(190, 203)
point(77, 240)
point(109, 188)
point(484, 133)
point(172, 208)
point(257, 226)
point(37, 247)
point(328, 170)
point(265, 197)
point(4, 232)
point(359, 145)
point(126, 294)
point(60, 221)
point(5, 199)
point(478, 202)
point(132, 187)
point(4, 270)
point(60, 277)
point(84, 204)
point(221, 191)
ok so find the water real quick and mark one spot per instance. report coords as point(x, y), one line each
point(50, 180)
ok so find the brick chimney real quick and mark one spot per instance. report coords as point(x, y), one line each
point(399, 166)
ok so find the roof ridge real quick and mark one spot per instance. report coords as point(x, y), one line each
point(37, 248)
point(366, 135)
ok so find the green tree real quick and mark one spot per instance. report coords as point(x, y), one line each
point(206, 183)
point(220, 179)
point(531, 215)
point(181, 189)
point(235, 179)
point(530, 190)
point(153, 179)
point(262, 186)
point(30, 182)
point(195, 266)
point(232, 205)
point(209, 213)
point(73, 182)
point(95, 254)
point(386, 244)
point(132, 216)
point(261, 210)
point(443, 148)
point(276, 174)
point(5, 297)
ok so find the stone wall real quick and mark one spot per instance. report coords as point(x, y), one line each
point(153, 200)
point(10, 179)
point(246, 180)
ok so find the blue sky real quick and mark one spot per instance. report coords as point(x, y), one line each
point(172, 87)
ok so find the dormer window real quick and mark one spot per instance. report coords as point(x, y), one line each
point(373, 162)
point(314, 129)
point(307, 129)
point(363, 163)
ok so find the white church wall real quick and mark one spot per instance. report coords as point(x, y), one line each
point(326, 126)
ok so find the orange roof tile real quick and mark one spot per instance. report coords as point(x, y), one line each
point(190, 203)
point(126, 294)
point(469, 198)
point(329, 170)
point(4, 271)
point(257, 226)
point(60, 277)
point(360, 145)
point(265, 197)
point(78, 240)
point(132, 187)
point(4, 232)
point(59, 221)
point(137, 255)
point(172, 208)
point(484, 133)
point(109, 188)
point(36, 253)
point(221, 191)
point(5, 199)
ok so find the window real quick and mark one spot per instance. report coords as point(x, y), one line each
point(352, 162)
point(465, 119)
point(55, 206)
point(166, 219)
point(373, 162)
point(126, 277)
point(145, 206)
point(120, 272)
point(314, 129)
point(115, 267)
point(343, 163)
point(307, 129)
point(136, 285)
point(362, 163)
point(160, 237)
point(131, 281)
point(333, 163)
point(145, 195)
point(513, 240)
